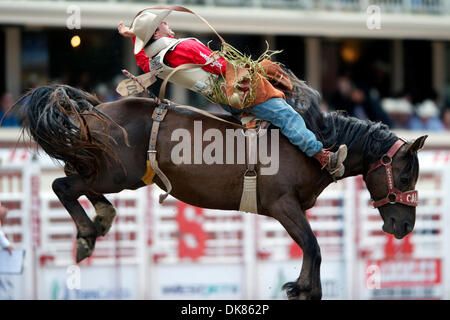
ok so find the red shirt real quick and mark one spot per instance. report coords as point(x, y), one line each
point(187, 51)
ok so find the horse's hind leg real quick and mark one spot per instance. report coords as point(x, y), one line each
point(288, 212)
point(68, 190)
point(105, 213)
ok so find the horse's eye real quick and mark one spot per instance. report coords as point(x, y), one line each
point(404, 181)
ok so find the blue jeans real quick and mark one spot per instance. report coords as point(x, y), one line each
point(278, 112)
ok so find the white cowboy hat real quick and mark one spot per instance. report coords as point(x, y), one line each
point(145, 25)
point(398, 106)
point(427, 109)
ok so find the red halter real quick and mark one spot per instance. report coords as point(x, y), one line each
point(409, 198)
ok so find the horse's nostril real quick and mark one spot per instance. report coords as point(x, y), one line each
point(393, 223)
point(408, 227)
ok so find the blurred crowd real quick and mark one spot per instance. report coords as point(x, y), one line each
point(7, 119)
point(398, 112)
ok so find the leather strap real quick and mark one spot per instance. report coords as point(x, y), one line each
point(408, 198)
point(249, 199)
point(388, 156)
point(251, 147)
point(158, 116)
point(208, 114)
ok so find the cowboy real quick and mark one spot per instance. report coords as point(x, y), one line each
point(156, 49)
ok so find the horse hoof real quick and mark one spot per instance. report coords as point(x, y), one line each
point(83, 249)
point(292, 290)
point(295, 292)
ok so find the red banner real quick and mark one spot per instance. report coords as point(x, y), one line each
point(192, 239)
point(407, 272)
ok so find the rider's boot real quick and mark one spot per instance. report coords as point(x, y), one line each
point(333, 161)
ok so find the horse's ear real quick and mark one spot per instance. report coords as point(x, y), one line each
point(417, 144)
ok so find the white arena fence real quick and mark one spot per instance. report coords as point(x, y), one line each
point(176, 251)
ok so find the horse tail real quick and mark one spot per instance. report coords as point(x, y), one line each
point(55, 116)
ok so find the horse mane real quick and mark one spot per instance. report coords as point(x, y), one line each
point(336, 127)
point(56, 117)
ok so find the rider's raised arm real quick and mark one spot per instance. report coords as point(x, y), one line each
point(142, 60)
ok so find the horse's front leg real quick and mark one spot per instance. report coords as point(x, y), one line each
point(68, 190)
point(288, 212)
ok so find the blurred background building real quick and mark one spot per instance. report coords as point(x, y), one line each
point(384, 60)
point(355, 52)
